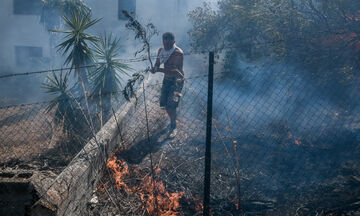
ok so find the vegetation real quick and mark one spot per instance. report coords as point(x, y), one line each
point(84, 51)
point(67, 113)
point(76, 42)
point(105, 79)
point(320, 35)
point(144, 34)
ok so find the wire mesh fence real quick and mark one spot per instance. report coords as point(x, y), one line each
point(24, 130)
point(281, 143)
point(32, 135)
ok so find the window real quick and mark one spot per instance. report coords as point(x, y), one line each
point(128, 5)
point(27, 7)
point(28, 55)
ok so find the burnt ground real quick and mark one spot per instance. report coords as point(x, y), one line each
point(269, 171)
point(254, 172)
point(293, 180)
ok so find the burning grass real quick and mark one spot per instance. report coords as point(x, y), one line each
point(277, 175)
point(276, 169)
point(154, 198)
point(168, 191)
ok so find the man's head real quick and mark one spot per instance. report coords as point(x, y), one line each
point(168, 40)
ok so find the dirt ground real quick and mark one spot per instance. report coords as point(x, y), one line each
point(264, 172)
point(31, 140)
point(271, 181)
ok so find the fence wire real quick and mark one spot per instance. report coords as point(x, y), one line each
point(31, 136)
point(283, 144)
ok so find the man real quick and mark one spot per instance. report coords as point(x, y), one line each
point(172, 57)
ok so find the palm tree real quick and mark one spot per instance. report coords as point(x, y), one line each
point(67, 112)
point(52, 12)
point(106, 78)
point(76, 42)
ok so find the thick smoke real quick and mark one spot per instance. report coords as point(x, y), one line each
point(27, 30)
point(277, 97)
point(25, 47)
point(165, 15)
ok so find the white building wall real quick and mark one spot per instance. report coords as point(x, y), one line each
point(19, 30)
point(26, 30)
point(167, 15)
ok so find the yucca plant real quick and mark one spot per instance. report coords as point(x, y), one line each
point(67, 112)
point(76, 44)
point(107, 77)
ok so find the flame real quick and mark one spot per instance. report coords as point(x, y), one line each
point(120, 170)
point(157, 201)
point(101, 187)
point(296, 141)
point(199, 207)
point(351, 38)
point(153, 193)
point(354, 17)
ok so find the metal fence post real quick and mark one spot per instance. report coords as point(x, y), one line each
point(208, 136)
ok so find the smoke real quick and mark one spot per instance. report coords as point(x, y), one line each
point(167, 16)
point(272, 93)
point(25, 47)
point(27, 31)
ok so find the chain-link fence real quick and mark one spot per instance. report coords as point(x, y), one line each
point(47, 135)
point(282, 144)
point(25, 130)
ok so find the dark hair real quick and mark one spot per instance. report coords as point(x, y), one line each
point(168, 36)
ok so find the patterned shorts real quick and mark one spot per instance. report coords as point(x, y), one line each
point(171, 92)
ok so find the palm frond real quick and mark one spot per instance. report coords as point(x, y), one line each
point(76, 41)
point(106, 78)
point(66, 111)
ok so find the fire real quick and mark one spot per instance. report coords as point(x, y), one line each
point(351, 38)
point(152, 193)
point(120, 170)
point(101, 187)
point(199, 207)
point(296, 141)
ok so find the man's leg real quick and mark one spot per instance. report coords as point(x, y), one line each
point(172, 115)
